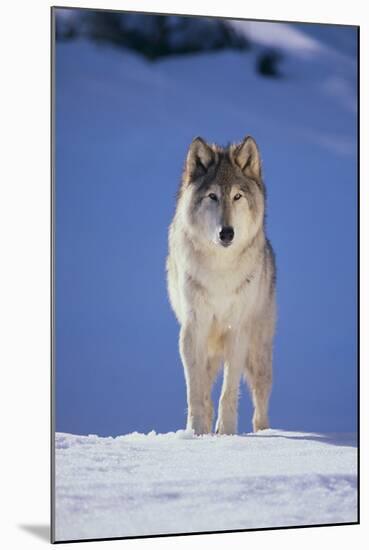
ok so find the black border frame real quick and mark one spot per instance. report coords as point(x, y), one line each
point(52, 278)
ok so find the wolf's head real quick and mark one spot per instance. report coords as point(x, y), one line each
point(222, 193)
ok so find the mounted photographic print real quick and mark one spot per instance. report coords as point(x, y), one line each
point(205, 274)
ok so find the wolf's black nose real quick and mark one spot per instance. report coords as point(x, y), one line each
point(226, 234)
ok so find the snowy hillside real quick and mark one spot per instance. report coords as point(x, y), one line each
point(176, 483)
point(122, 130)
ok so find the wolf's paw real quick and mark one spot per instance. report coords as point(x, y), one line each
point(224, 428)
point(260, 424)
point(198, 425)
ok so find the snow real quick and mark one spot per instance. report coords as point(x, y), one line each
point(176, 482)
point(283, 36)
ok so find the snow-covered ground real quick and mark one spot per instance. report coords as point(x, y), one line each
point(151, 484)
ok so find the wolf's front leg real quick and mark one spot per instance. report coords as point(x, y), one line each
point(228, 404)
point(258, 373)
point(194, 357)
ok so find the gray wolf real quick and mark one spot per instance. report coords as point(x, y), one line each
point(221, 282)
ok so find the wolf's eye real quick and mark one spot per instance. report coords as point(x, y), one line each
point(213, 196)
point(237, 197)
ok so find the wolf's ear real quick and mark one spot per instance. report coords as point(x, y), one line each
point(246, 155)
point(199, 158)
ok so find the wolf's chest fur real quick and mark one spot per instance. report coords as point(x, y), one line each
point(227, 295)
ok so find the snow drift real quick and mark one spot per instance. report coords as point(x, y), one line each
point(153, 484)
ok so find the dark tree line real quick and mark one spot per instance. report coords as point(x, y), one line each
point(158, 36)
